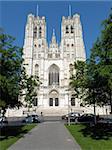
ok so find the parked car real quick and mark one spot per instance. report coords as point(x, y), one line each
point(73, 116)
point(3, 121)
point(64, 117)
point(105, 121)
point(86, 118)
point(32, 119)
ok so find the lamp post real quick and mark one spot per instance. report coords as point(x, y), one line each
point(68, 110)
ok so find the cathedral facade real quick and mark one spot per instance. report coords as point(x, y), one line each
point(53, 63)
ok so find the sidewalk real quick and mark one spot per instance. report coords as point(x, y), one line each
point(47, 136)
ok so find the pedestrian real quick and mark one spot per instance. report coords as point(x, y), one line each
point(41, 113)
point(42, 118)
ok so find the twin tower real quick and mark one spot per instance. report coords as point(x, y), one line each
point(53, 62)
point(70, 47)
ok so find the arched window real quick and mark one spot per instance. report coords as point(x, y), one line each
point(35, 32)
point(35, 102)
point(67, 29)
point(39, 45)
point(71, 67)
point(54, 75)
point(36, 70)
point(72, 29)
point(40, 32)
point(67, 45)
point(72, 101)
point(50, 55)
point(72, 45)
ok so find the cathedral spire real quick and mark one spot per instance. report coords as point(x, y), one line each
point(37, 10)
point(70, 10)
point(53, 40)
point(53, 32)
point(53, 37)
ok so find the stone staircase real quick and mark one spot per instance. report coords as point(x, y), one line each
point(53, 111)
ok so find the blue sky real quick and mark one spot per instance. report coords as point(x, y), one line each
point(13, 17)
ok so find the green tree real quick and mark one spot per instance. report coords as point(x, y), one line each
point(101, 54)
point(93, 79)
point(10, 70)
point(87, 84)
point(13, 78)
point(32, 84)
point(78, 80)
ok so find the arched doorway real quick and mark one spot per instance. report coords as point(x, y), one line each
point(53, 98)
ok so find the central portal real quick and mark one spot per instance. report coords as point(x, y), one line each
point(53, 98)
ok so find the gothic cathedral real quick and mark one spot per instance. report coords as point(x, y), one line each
point(53, 63)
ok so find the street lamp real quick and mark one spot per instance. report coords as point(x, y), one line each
point(68, 110)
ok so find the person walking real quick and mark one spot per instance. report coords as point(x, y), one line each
point(42, 118)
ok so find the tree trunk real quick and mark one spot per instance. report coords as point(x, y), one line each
point(110, 103)
point(94, 106)
point(94, 114)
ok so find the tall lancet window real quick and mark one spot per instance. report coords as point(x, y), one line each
point(67, 29)
point(72, 101)
point(72, 29)
point(36, 70)
point(34, 51)
point(54, 75)
point(71, 67)
point(35, 32)
point(40, 32)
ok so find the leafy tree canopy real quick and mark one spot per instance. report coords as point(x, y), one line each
point(10, 71)
point(93, 79)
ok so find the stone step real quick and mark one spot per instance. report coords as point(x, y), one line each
point(55, 111)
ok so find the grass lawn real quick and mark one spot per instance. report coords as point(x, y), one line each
point(10, 134)
point(92, 138)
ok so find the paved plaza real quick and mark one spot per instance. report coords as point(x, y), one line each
point(49, 135)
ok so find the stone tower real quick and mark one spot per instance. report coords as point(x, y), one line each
point(35, 42)
point(72, 37)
